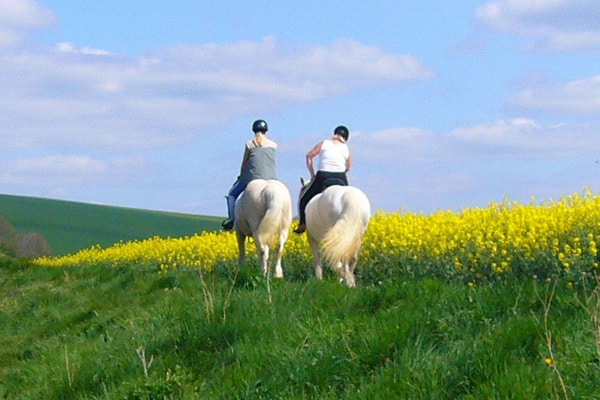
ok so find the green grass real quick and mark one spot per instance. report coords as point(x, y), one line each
point(101, 333)
point(71, 226)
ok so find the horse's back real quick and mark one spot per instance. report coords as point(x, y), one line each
point(338, 195)
point(252, 196)
point(259, 195)
point(258, 185)
point(253, 190)
point(325, 209)
point(334, 200)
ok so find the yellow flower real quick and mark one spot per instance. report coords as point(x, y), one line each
point(479, 243)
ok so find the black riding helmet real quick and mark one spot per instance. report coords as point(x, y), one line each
point(342, 131)
point(260, 125)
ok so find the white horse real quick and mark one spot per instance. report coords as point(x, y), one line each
point(263, 211)
point(336, 221)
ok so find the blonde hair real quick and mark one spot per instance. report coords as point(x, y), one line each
point(258, 139)
point(339, 137)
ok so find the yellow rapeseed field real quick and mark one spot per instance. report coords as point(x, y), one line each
point(538, 239)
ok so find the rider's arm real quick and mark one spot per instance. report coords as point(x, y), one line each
point(309, 159)
point(349, 161)
point(245, 160)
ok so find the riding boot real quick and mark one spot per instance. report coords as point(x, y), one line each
point(228, 223)
point(301, 218)
point(301, 228)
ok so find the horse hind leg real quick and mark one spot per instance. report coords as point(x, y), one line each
point(340, 270)
point(316, 253)
point(349, 276)
point(241, 241)
point(344, 270)
point(318, 267)
point(263, 254)
point(279, 255)
point(349, 271)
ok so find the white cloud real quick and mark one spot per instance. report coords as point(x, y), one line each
point(18, 17)
point(497, 134)
point(60, 170)
point(60, 164)
point(557, 25)
point(52, 170)
point(397, 145)
point(67, 47)
point(474, 164)
point(73, 95)
point(106, 108)
point(398, 149)
point(524, 138)
point(580, 96)
point(415, 161)
point(300, 73)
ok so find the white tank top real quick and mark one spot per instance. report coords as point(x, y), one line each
point(333, 156)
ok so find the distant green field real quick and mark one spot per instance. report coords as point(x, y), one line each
point(70, 226)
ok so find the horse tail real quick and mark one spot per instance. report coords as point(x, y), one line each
point(344, 239)
point(278, 211)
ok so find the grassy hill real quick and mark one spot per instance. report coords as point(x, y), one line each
point(70, 226)
point(132, 333)
point(416, 327)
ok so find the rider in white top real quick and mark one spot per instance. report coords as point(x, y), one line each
point(335, 161)
point(333, 156)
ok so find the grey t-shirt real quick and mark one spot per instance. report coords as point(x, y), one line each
point(261, 161)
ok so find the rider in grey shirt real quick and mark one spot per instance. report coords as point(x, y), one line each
point(258, 163)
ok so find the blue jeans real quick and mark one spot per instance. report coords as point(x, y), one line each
point(238, 187)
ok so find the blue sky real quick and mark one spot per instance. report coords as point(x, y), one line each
point(148, 104)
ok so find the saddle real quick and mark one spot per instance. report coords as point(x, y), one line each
point(332, 182)
point(326, 183)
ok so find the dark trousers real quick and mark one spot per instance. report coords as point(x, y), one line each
point(321, 182)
